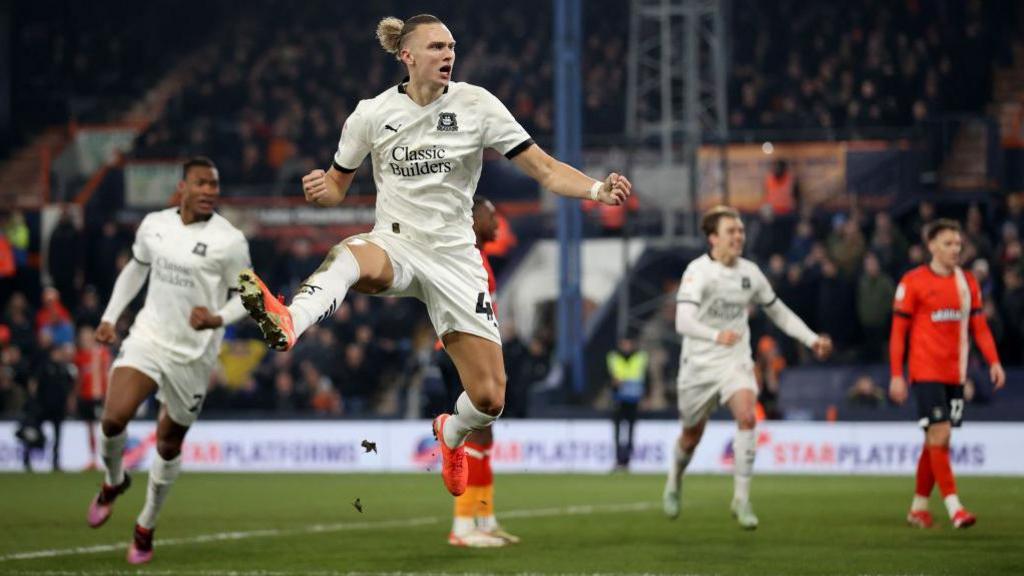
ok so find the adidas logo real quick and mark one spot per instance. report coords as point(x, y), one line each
point(329, 312)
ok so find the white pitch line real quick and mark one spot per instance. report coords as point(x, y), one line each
point(314, 529)
point(306, 573)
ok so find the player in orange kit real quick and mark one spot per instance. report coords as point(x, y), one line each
point(474, 524)
point(938, 304)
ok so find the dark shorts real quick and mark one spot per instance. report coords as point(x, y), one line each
point(937, 402)
point(89, 410)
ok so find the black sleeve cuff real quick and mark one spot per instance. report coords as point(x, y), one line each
point(694, 302)
point(136, 258)
point(341, 168)
point(519, 149)
point(901, 314)
point(774, 300)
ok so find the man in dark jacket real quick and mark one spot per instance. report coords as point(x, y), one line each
point(50, 390)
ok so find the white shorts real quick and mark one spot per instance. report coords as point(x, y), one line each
point(452, 284)
point(702, 390)
point(181, 386)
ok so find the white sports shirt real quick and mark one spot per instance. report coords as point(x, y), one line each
point(722, 296)
point(427, 159)
point(189, 266)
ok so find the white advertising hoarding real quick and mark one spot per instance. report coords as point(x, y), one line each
point(541, 446)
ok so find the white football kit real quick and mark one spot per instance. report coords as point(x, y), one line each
point(710, 373)
point(426, 165)
point(189, 266)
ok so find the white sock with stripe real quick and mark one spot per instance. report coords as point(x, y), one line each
point(465, 419)
point(162, 475)
point(321, 294)
point(112, 454)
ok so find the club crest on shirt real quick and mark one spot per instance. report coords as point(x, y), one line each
point(745, 283)
point(446, 122)
point(200, 249)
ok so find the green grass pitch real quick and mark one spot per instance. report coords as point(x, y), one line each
point(281, 524)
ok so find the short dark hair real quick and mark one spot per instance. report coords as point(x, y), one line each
point(936, 226)
point(195, 162)
point(709, 222)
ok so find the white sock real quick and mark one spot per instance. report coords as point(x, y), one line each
point(162, 475)
point(462, 525)
point(744, 449)
point(919, 503)
point(112, 453)
point(487, 523)
point(681, 459)
point(952, 504)
point(319, 296)
point(465, 419)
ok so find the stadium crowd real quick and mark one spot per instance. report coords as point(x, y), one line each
point(270, 110)
point(801, 64)
point(374, 356)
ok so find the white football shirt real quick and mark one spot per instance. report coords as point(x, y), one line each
point(189, 266)
point(427, 159)
point(723, 295)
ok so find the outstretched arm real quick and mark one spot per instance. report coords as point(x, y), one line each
point(565, 180)
point(794, 327)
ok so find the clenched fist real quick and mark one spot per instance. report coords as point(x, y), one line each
point(202, 319)
point(615, 190)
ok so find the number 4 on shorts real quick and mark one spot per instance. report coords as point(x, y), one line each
point(483, 307)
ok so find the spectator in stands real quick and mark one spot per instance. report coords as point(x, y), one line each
point(925, 215)
point(915, 258)
point(358, 377)
point(888, 244)
point(54, 319)
point(18, 318)
point(17, 233)
point(846, 245)
point(781, 194)
point(865, 393)
point(1011, 311)
point(64, 258)
point(767, 234)
point(89, 311)
point(1014, 211)
point(325, 398)
point(875, 291)
point(982, 274)
point(974, 232)
point(803, 240)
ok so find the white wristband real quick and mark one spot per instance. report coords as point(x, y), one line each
point(595, 188)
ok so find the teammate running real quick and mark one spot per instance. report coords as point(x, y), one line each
point(192, 257)
point(426, 138)
point(716, 365)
